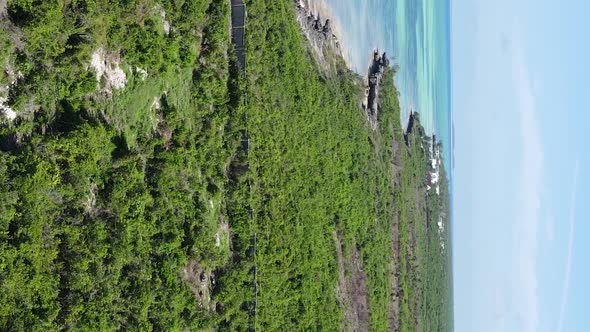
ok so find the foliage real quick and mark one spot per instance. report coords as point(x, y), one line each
point(131, 209)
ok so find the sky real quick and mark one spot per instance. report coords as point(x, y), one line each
point(521, 236)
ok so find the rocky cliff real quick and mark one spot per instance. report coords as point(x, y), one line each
point(319, 33)
point(374, 77)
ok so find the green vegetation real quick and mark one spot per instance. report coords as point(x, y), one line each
point(425, 257)
point(128, 208)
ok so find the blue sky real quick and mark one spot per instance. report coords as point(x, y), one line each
point(522, 174)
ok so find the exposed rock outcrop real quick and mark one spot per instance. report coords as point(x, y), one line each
point(3, 9)
point(319, 33)
point(109, 74)
point(201, 281)
point(410, 127)
point(6, 112)
point(165, 23)
point(374, 76)
point(143, 74)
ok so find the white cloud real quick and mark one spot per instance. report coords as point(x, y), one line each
point(528, 196)
point(570, 246)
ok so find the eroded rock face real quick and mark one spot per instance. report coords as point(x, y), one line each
point(201, 282)
point(3, 9)
point(7, 112)
point(374, 77)
point(108, 72)
point(318, 32)
point(321, 38)
point(165, 23)
point(143, 74)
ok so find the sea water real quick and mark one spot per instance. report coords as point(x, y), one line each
point(416, 36)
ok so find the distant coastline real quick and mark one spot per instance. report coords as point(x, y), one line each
point(324, 26)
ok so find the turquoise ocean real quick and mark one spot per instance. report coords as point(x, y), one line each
point(416, 36)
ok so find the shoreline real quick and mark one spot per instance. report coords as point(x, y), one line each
point(320, 9)
point(326, 12)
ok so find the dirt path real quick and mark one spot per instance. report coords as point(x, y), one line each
point(352, 292)
point(342, 292)
point(394, 302)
